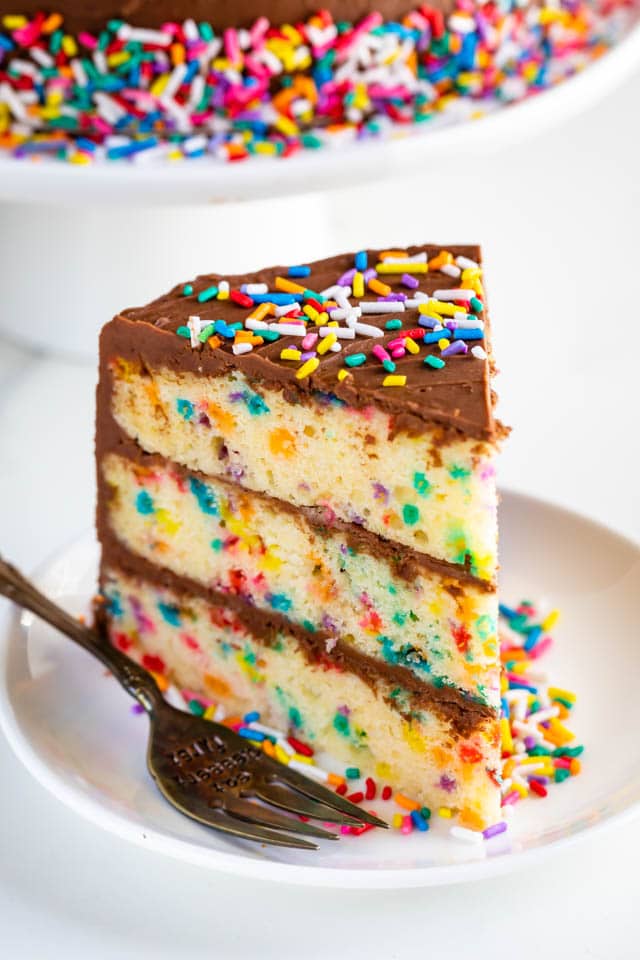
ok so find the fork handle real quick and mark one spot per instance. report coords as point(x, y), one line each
point(132, 677)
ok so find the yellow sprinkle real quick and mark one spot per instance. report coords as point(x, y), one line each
point(289, 353)
point(409, 267)
point(307, 368)
point(223, 294)
point(396, 820)
point(396, 254)
point(550, 620)
point(280, 754)
point(288, 286)
point(286, 126)
point(260, 312)
point(382, 289)
point(321, 319)
point(209, 712)
point(411, 345)
point(560, 731)
point(520, 789)
point(443, 343)
point(441, 306)
point(326, 343)
point(445, 812)
point(310, 311)
point(333, 323)
point(343, 374)
point(69, 45)
point(394, 380)
point(14, 22)
point(358, 284)
point(563, 694)
point(301, 759)
point(507, 739)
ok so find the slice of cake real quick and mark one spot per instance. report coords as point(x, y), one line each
point(297, 508)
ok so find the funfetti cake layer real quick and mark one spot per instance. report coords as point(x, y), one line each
point(312, 448)
point(423, 745)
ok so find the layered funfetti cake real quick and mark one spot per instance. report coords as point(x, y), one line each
point(135, 80)
point(297, 508)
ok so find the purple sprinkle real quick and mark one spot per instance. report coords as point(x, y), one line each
point(369, 274)
point(429, 322)
point(204, 420)
point(380, 492)
point(529, 742)
point(308, 355)
point(410, 281)
point(137, 708)
point(347, 277)
point(494, 830)
point(329, 623)
point(344, 710)
point(448, 784)
point(451, 324)
point(236, 396)
point(393, 298)
point(454, 348)
point(539, 779)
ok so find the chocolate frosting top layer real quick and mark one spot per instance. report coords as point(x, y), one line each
point(455, 397)
point(219, 13)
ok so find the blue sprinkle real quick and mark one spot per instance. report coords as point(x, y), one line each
point(532, 638)
point(280, 299)
point(252, 717)
point(144, 503)
point(299, 271)
point(250, 734)
point(170, 613)
point(279, 601)
point(184, 408)
point(419, 821)
point(361, 260)
point(435, 336)
point(468, 334)
point(256, 405)
point(205, 496)
point(505, 707)
point(522, 686)
point(430, 322)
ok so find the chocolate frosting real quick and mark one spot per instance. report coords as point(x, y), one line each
point(461, 711)
point(219, 13)
point(455, 400)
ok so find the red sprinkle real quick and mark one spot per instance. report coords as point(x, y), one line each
point(356, 797)
point(241, 298)
point(303, 748)
point(538, 788)
point(341, 789)
point(386, 793)
point(370, 789)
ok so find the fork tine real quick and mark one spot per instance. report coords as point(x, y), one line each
point(265, 817)
point(217, 818)
point(316, 791)
point(296, 803)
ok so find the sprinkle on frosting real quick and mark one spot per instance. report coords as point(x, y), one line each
point(183, 92)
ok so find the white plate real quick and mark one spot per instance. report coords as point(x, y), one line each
point(421, 148)
point(74, 729)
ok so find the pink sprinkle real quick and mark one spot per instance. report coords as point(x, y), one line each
point(87, 40)
point(407, 825)
point(398, 352)
point(345, 830)
point(412, 282)
point(231, 45)
point(258, 31)
point(541, 647)
point(562, 762)
point(380, 353)
point(309, 342)
point(511, 798)
point(397, 342)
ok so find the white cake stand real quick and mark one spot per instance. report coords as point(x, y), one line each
point(78, 243)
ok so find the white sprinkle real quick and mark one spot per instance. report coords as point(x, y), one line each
point(309, 770)
point(342, 314)
point(256, 325)
point(479, 353)
point(467, 264)
point(263, 728)
point(382, 306)
point(175, 81)
point(42, 57)
point(195, 326)
point(342, 333)
point(416, 258)
point(368, 331)
point(190, 30)
point(223, 287)
point(341, 297)
point(412, 303)
point(335, 291)
point(240, 348)
point(461, 24)
point(108, 108)
point(13, 101)
point(286, 746)
point(468, 836)
point(284, 308)
point(289, 329)
point(172, 696)
point(541, 715)
point(451, 270)
point(456, 293)
point(177, 113)
point(251, 288)
point(139, 35)
point(470, 323)
point(219, 713)
point(335, 347)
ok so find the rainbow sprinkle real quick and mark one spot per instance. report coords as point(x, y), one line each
point(535, 741)
point(183, 92)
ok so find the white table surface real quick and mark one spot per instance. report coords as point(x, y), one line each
point(566, 340)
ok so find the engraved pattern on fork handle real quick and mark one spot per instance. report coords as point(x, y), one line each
point(132, 677)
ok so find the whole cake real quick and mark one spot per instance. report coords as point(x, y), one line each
point(138, 79)
point(297, 508)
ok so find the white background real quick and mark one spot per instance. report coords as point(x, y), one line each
point(558, 219)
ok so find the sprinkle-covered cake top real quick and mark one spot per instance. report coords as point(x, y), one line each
point(403, 329)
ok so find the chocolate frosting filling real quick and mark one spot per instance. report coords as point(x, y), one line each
point(461, 711)
point(455, 400)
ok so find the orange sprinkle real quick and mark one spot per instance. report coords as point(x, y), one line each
point(405, 802)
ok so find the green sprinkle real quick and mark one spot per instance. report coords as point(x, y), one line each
point(355, 360)
point(434, 362)
point(196, 707)
point(341, 724)
point(565, 703)
point(205, 295)
point(421, 485)
point(208, 331)
point(187, 290)
point(389, 366)
point(217, 545)
point(352, 773)
point(538, 751)
point(393, 325)
point(476, 305)
point(295, 716)
point(206, 31)
point(425, 812)
point(567, 751)
point(184, 332)
point(459, 473)
point(410, 514)
point(561, 774)
point(270, 335)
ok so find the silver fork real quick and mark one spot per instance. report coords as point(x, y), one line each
point(204, 769)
